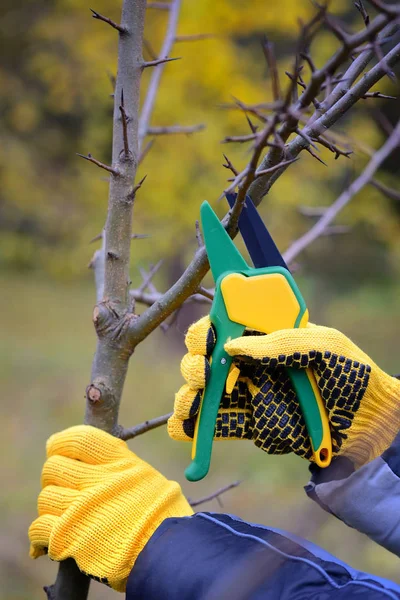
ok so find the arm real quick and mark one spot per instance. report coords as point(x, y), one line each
point(367, 499)
point(215, 556)
point(127, 526)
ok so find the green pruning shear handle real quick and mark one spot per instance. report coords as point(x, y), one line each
point(265, 298)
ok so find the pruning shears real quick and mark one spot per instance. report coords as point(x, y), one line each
point(265, 298)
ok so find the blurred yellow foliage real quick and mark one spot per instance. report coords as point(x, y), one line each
point(56, 96)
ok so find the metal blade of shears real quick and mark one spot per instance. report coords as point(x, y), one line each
point(222, 252)
point(256, 236)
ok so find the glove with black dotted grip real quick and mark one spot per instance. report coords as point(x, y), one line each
point(362, 401)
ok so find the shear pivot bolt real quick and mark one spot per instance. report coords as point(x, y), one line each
point(223, 361)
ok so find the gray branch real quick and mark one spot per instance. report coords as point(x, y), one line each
point(148, 105)
point(330, 213)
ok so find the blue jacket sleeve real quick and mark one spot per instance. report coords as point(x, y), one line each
point(215, 557)
point(367, 499)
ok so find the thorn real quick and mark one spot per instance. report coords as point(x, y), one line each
point(315, 156)
point(361, 8)
point(100, 17)
point(132, 194)
point(159, 61)
point(251, 125)
point(124, 119)
point(90, 158)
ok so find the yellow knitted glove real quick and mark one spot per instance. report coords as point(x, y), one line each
point(363, 402)
point(100, 504)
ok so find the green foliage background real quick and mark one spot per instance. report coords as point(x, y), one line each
point(55, 100)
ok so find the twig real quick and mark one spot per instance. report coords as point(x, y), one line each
point(149, 276)
point(132, 432)
point(268, 49)
point(215, 494)
point(151, 298)
point(361, 8)
point(378, 158)
point(206, 293)
point(90, 158)
point(378, 95)
point(100, 17)
point(229, 165)
point(175, 129)
point(284, 163)
point(387, 191)
point(241, 139)
point(149, 101)
point(150, 284)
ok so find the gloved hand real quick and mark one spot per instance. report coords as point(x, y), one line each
point(363, 402)
point(100, 504)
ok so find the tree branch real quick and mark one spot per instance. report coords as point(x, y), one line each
point(329, 215)
point(111, 315)
point(148, 105)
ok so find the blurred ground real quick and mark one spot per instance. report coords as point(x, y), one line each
point(46, 347)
